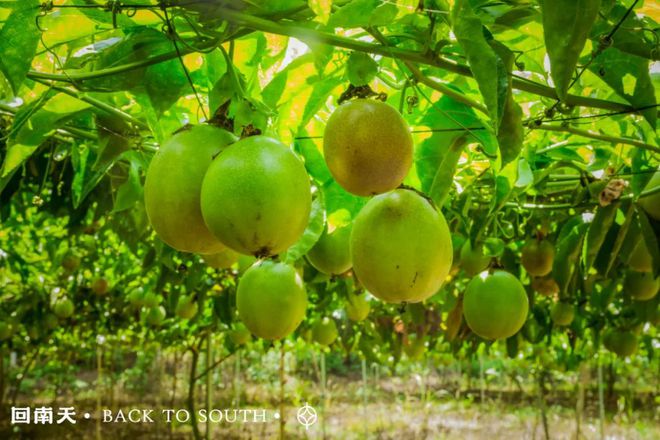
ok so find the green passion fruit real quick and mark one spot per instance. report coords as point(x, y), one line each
point(6, 330)
point(100, 286)
point(401, 247)
point(546, 285)
point(641, 286)
point(271, 299)
point(240, 335)
point(186, 307)
point(256, 197)
point(367, 146)
point(495, 305)
point(63, 308)
point(622, 343)
point(562, 314)
point(154, 316)
point(651, 204)
point(173, 185)
point(414, 347)
point(473, 260)
point(331, 254)
point(223, 259)
point(640, 258)
point(324, 331)
point(537, 257)
point(357, 307)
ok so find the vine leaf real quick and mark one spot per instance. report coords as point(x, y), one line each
point(566, 26)
point(34, 123)
point(449, 119)
point(311, 234)
point(487, 67)
point(616, 67)
point(19, 38)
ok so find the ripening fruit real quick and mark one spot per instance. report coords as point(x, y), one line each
point(537, 257)
point(651, 204)
point(63, 308)
point(562, 314)
point(357, 307)
point(473, 261)
point(70, 262)
point(324, 331)
point(223, 259)
point(367, 146)
point(173, 185)
point(401, 247)
point(641, 286)
point(647, 311)
point(415, 347)
point(546, 286)
point(240, 335)
point(640, 258)
point(6, 330)
point(186, 307)
point(100, 286)
point(256, 197)
point(50, 321)
point(136, 297)
point(495, 305)
point(622, 343)
point(154, 316)
point(271, 299)
point(332, 254)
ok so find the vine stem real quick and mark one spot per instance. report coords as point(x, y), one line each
point(303, 33)
point(598, 136)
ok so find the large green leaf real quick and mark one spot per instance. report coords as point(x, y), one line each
point(449, 119)
point(487, 67)
point(629, 77)
point(19, 38)
point(34, 123)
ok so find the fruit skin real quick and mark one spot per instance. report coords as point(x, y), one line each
point(71, 262)
point(495, 305)
point(640, 258)
point(63, 308)
point(562, 314)
point(325, 331)
point(641, 286)
point(473, 261)
point(6, 330)
point(415, 347)
point(173, 184)
point(651, 204)
point(546, 286)
point(256, 197)
point(223, 259)
point(332, 254)
point(100, 286)
point(240, 335)
point(186, 307)
point(357, 307)
point(154, 316)
point(271, 299)
point(368, 147)
point(623, 343)
point(401, 247)
point(537, 257)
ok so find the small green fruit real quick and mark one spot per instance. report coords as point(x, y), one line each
point(473, 261)
point(562, 314)
point(641, 286)
point(357, 307)
point(332, 254)
point(271, 299)
point(537, 257)
point(63, 308)
point(186, 307)
point(324, 331)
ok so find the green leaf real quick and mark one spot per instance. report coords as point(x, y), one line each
point(322, 9)
point(449, 119)
point(568, 253)
point(629, 76)
point(34, 123)
point(131, 191)
point(101, 16)
point(598, 229)
point(444, 175)
point(628, 38)
point(650, 239)
point(362, 13)
point(19, 38)
point(487, 67)
point(311, 234)
point(566, 26)
point(361, 68)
